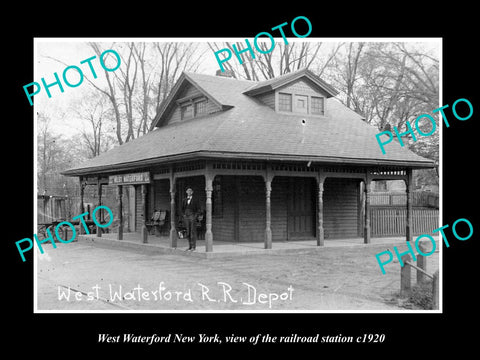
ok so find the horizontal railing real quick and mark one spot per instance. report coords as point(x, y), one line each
point(406, 277)
point(389, 221)
point(419, 198)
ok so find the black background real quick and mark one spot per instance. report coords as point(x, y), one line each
point(406, 334)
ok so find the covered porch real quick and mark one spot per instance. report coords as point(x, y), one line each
point(250, 205)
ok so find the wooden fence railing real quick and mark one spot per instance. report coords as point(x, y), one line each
point(419, 198)
point(389, 221)
point(50, 208)
point(422, 274)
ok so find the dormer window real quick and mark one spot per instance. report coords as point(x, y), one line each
point(200, 107)
point(301, 103)
point(285, 102)
point(187, 111)
point(318, 105)
point(190, 108)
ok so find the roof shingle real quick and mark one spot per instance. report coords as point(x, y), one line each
point(252, 129)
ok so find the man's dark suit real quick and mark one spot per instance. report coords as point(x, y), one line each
point(190, 210)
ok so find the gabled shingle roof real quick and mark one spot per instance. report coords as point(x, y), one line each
point(250, 129)
point(271, 84)
point(220, 90)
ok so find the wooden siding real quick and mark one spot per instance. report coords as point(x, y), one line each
point(251, 208)
point(340, 202)
point(302, 86)
point(340, 208)
point(268, 99)
point(189, 91)
point(243, 215)
point(223, 225)
point(301, 208)
point(161, 195)
point(278, 199)
point(138, 208)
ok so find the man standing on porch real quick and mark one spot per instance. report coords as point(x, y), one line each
point(190, 211)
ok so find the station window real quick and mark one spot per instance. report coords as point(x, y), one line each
point(200, 107)
point(193, 108)
point(187, 111)
point(318, 105)
point(285, 102)
point(301, 103)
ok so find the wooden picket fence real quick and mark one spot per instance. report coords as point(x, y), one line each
point(391, 221)
point(51, 208)
point(419, 199)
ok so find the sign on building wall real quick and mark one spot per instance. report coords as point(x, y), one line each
point(94, 180)
point(133, 178)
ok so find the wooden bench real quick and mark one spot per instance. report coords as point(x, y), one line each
point(157, 222)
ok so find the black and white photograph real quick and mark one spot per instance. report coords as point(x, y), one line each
point(205, 180)
point(172, 179)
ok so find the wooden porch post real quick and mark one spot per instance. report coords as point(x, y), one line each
point(268, 213)
point(99, 188)
point(208, 217)
point(409, 186)
point(144, 213)
point(366, 230)
point(321, 231)
point(173, 225)
point(81, 230)
point(120, 212)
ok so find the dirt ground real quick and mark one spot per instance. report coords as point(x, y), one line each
point(80, 276)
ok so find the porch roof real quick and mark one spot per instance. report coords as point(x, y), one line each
point(251, 129)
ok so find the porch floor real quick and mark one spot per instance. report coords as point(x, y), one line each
point(161, 244)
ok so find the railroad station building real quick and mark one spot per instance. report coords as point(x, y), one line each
point(275, 160)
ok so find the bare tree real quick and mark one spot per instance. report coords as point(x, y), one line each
point(282, 59)
point(127, 80)
point(147, 72)
point(94, 110)
point(54, 153)
point(144, 102)
point(173, 58)
point(388, 83)
point(391, 84)
point(347, 68)
point(46, 151)
point(110, 93)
